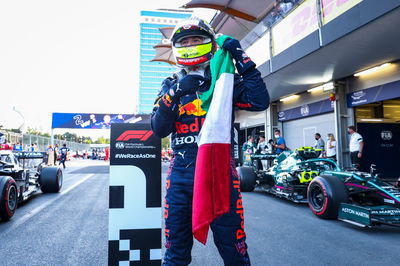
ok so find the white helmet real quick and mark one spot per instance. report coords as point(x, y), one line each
point(197, 54)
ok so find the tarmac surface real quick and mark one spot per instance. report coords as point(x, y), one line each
point(71, 228)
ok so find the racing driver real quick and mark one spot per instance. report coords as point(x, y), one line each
point(178, 112)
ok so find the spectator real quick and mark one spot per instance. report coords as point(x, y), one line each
point(107, 154)
point(17, 147)
point(55, 154)
point(63, 152)
point(170, 153)
point(165, 157)
point(2, 138)
point(261, 144)
point(285, 6)
point(319, 143)
point(5, 146)
point(356, 147)
point(249, 146)
point(50, 155)
point(331, 147)
point(270, 146)
point(280, 144)
point(276, 13)
point(264, 148)
point(32, 147)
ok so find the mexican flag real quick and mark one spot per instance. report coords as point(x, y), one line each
point(211, 196)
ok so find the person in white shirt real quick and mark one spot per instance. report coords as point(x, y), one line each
point(331, 147)
point(264, 148)
point(356, 147)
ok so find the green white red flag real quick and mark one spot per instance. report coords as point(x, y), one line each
point(211, 196)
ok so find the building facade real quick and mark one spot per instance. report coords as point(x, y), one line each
point(153, 73)
point(328, 64)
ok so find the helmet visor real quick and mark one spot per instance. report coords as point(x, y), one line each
point(193, 51)
point(179, 43)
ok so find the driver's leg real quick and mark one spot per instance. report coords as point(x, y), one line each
point(228, 230)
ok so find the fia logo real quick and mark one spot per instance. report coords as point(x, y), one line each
point(386, 135)
point(119, 145)
point(304, 110)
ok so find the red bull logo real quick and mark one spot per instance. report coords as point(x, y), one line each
point(192, 108)
point(182, 128)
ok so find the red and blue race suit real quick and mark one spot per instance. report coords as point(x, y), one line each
point(184, 121)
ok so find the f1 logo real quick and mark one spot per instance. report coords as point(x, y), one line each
point(142, 135)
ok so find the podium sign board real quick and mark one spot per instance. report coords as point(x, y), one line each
point(135, 196)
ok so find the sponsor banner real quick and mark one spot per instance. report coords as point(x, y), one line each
point(306, 110)
point(375, 94)
point(300, 23)
point(135, 196)
point(331, 9)
point(94, 121)
point(259, 51)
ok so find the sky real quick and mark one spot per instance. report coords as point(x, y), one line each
point(70, 56)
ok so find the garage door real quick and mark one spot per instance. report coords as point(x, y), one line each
point(300, 132)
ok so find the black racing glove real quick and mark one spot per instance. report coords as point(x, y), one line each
point(187, 85)
point(165, 85)
point(243, 62)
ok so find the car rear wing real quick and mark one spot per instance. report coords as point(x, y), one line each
point(29, 154)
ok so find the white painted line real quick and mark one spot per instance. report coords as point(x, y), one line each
point(38, 209)
point(76, 184)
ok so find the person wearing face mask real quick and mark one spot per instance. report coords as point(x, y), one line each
point(331, 147)
point(319, 143)
point(280, 144)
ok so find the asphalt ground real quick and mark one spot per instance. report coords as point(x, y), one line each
point(71, 228)
point(66, 228)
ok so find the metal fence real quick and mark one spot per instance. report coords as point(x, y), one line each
point(42, 142)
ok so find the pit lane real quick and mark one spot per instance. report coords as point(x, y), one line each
point(72, 229)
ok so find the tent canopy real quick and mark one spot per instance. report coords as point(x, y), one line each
point(254, 10)
point(164, 48)
point(164, 54)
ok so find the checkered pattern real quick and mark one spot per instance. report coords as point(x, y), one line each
point(134, 254)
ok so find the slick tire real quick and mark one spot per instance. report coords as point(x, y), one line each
point(247, 178)
point(51, 179)
point(325, 194)
point(8, 197)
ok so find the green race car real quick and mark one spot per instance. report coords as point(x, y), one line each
point(359, 198)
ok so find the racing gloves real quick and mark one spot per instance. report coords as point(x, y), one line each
point(243, 62)
point(187, 85)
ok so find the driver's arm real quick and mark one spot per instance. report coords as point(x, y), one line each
point(164, 112)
